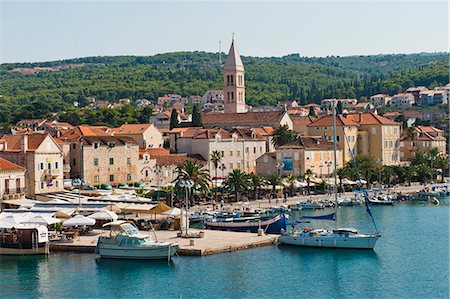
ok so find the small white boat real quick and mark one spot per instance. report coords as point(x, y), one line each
point(337, 238)
point(126, 242)
point(23, 239)
point(310, 205)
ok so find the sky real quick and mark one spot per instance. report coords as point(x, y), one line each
point(35, 31)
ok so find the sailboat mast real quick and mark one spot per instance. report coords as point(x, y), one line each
point(335, 161)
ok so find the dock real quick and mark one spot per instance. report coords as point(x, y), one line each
point(214, 242)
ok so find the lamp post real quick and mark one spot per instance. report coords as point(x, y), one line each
point(279, 166)
point(187, 185)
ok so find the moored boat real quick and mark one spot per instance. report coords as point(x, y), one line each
point(272, 225)
point(23, 239)
point(126, 242)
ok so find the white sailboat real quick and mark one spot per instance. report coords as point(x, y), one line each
point(331, 238)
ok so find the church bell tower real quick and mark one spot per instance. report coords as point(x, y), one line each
point(233, 82)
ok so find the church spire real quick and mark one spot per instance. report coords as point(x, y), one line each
point(234, 85)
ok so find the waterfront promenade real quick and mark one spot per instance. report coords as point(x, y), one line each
point(214, 242)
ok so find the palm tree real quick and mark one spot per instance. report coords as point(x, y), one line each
point(274, 180)
point(216, 158)
point(237, 181)
point(341, 173)
point(308, 176)
point(412, 133)
point(291, 180)
point(283, 135)
point(255, 182)
point(409, 172)
point(389, 174)
point(195, 171)
point(441, 163)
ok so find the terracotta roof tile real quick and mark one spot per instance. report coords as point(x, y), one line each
point(370, 118)
point(328, 121)
point(14, 142)
point(6, 165)
point(237, 118)
point(309, 142)
point(132, 129)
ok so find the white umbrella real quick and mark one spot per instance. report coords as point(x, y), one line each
point(79, 220)
point(40, 219)
point(299, 184)
point(104, 215)
point(363, 181)
point(173, 212)
point(348, 182)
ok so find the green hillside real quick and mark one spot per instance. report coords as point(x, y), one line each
point(192, 73)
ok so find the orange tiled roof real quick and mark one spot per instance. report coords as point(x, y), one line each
point(302, 120)
point(309, 142)
point(370, 118)
point(5, 165)
point(14, 142)
point(328, 121)
point(132, 129)
point(237, 118)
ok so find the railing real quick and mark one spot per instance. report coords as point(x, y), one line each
point(51, 172)
point(14, 190)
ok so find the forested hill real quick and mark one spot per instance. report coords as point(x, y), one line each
point(59, 83)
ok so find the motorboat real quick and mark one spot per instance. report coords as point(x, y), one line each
point(271, 225)
point(310, 205)
point(23, 239)
point(348, 202)
point(125, 241)
point(381, 200)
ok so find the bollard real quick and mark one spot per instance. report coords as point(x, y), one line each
point(260, 232)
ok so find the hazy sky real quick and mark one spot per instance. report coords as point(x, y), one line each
point(41, 31)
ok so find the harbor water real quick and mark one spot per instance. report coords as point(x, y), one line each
point(410, 260)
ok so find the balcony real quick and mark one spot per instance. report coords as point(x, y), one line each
point(51, 173)
point(10, 193)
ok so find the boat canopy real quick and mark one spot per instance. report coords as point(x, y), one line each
point(331, 216)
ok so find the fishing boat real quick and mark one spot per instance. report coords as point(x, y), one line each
point(331, 238)
point(126, 242)
point(381, 200)
point(272, 225)
point(23, 239)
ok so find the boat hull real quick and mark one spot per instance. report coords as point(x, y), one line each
point(271, 226)
point(148, 253)
point(42, 249)
point(355, 242)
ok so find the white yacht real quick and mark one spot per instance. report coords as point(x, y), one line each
point(310, 205)
point(330, 238)
point(126, 242)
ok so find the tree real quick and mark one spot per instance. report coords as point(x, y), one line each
point(196, 117)
point(291, 181)
point(145, 114)
point(309, 174)
point(216, 158)
point(442, 164)
point(274, 180)
point(412, 133)
point(409, 172)
point(196, 172)
point(174, 119)
point(237, 182)
point(255, 182)
point(283, 135)
point(312, 111)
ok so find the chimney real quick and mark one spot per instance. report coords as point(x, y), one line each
point(24, 143)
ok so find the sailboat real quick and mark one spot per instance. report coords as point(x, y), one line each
point(337, 237)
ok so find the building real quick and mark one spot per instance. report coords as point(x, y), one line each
point(162, 120)
point(380, 100)
point(424, 139)
point(328, 103)
point(365, 134)
point(55, 128)
point(251, 119)
point(31, 124)
point(415, 91)
point(198, 100)
point(360, 107)
point(97, 155)
point(234, 82)
point(434, 97)
point(308, 152)
point(266, 164)
point(300, 123)
point(287, 104)
point(213, 96)
point(403, 100)
point(239, 148)
point(12, 180)
point(41, 156)
point(145, 135)
point(142, 103)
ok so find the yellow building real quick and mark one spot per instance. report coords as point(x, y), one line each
point(367, 134)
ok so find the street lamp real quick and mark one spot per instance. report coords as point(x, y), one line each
point(187, 185)
point(279, 166)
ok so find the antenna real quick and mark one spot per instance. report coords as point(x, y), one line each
point(220, 53)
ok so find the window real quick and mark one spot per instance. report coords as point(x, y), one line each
point(239, 165)
point(41, 166)
point(128, 161)
point(111, 178)
point(338, 138)
point(111, 144)
point(223, 153)
point(96, 145)
point(385, 143)
point(238, 153)
point(260, 149)
point(246, 150)
point(42, 185)
point(111, 161)
point(74, 146)
point(390, 143)
point(232, 95)
point(146, 173)
point(231, 166)
point(49, 165)
point(56, 184)
point(74, 161)
point(128, 144)
point(96, 179)
point(96, 161)
point(129, 177)
point(56, 165)
point(254, 150)
point(231, 153)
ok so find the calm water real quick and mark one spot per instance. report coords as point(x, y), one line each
point(411, 260)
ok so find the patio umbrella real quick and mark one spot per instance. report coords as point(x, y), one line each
point(79, 220)
point(172, 212)
point(40, 219)
point(104, 215)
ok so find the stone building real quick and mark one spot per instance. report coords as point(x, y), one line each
point(12, 180)
point(425, 139)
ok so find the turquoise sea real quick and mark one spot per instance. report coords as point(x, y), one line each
point(411, 260)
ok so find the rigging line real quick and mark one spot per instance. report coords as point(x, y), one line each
point(364, 192)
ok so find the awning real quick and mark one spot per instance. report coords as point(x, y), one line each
point(79, 220)
point(104, 215)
